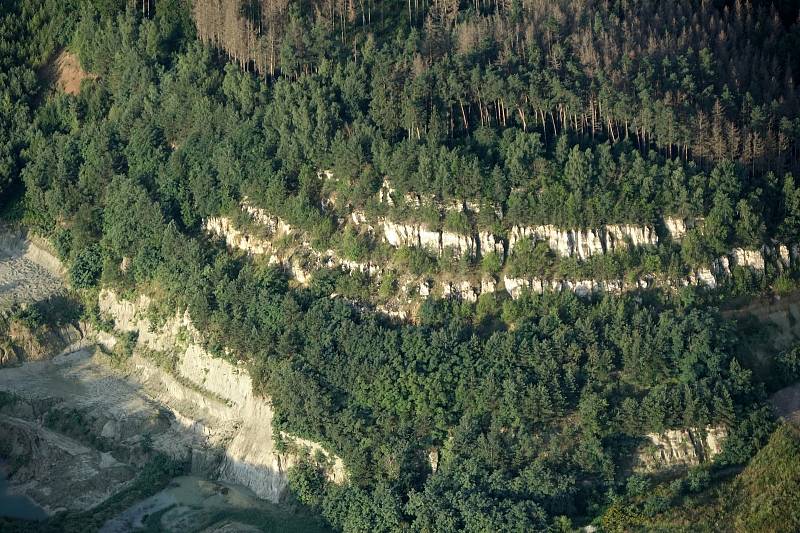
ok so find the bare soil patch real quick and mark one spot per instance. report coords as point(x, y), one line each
point(66, 70)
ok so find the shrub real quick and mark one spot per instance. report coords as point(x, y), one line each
point(86, 268)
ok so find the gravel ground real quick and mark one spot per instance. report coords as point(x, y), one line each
point(22, 279)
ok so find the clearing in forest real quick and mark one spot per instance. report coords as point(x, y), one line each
point(67, 72)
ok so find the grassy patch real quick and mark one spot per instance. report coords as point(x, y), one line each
point(764, 497)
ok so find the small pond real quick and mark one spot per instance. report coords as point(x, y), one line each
point(15, 506)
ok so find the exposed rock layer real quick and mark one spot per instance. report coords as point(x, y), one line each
point(224, 390)
point(680, 448)
point(581, 244)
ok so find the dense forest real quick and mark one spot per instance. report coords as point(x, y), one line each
point(572, 113)
point(688, 80)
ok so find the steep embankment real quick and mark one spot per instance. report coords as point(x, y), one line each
point(680, 448)
point(30, 275)
point(271, 237)
point(211, 396)
point(88, 422)
point(28, 271)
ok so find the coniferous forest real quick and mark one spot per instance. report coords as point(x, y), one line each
point(504, 414)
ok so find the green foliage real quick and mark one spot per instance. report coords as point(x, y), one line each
point(769, 485)
point(388, 285)
point(783, 285)
point(787, 365)
point(531, 259)
point(30, 317)
point(126, 344)
point(62, 241)
point(353, 246)
point(418, 261)
point(529, 412)
point(30, 31)
point(85, 269)
point(491, 263)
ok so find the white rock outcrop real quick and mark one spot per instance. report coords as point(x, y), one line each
point(488, 285)
point(676, 227)
point(458, 244)
point(235, 238)
point(517, 286)
point(704, 276)
point(580, 244)
point(462, 290)
point(749, 258)
point(386, 193)
point(680, 448)
point(219, 389)
point(783, 254)
point(275, 225)
point(438, 242)
point(489, 243)
point(418, 235)
point(583, 244)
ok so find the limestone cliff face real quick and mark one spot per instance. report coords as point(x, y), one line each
point(211, 392)
point(462, 290)
point(300, 262)
point(583, 244)
point(749, 258)
point(580, 244)
point(398, 235)
point(710, 278)
point(680, 448)
point(236, 239)
point(676, 227)
point(440, 242)
point(516, 287)
point(275, 225)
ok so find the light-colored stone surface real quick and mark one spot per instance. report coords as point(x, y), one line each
point(676, 227)
point(705, 277)
point(580, 244)
point(463, 290)
point(28, 271)
point(749, 258)
point(236, 239)
point(222, 389)
point(783, 254)
point(679, 448)
point(584, 244)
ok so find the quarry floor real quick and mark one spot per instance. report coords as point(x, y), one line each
point(22, 279)
point(76, 430)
